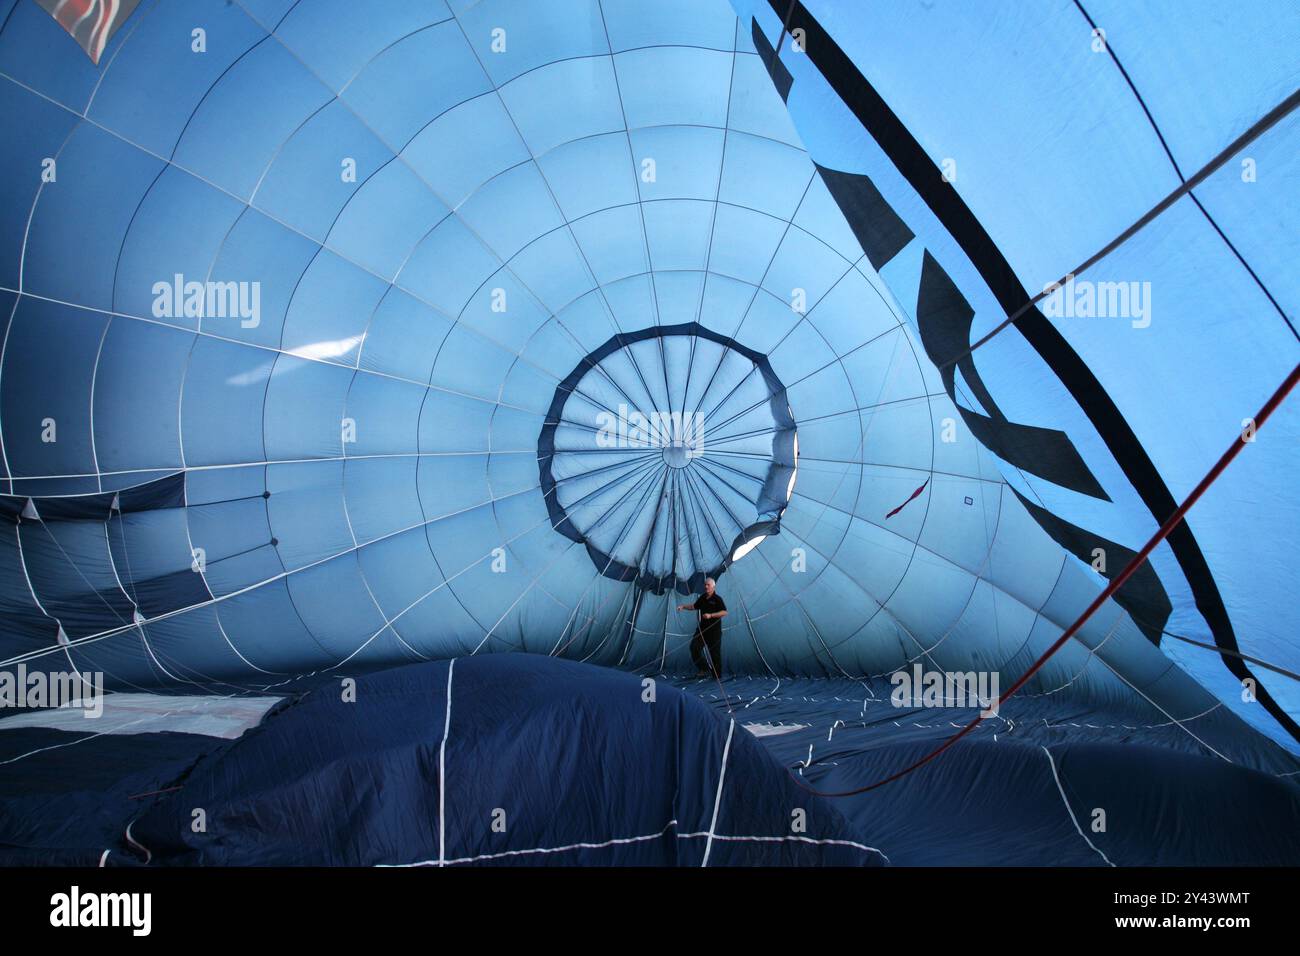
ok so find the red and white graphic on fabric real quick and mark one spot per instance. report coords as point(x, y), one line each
point(90, 22)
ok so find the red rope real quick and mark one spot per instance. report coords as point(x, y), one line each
point(1116, 583)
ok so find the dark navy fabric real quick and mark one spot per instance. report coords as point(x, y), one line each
point(579, 767)
point(66, 797)
point(575, 758)
point(1025, 787)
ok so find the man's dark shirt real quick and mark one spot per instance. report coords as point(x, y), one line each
point(710, 605)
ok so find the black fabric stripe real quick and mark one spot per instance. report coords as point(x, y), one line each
point(944, 318)
point(912, 162)
point(781, 77)
point(879, 230)
point(1143, 595)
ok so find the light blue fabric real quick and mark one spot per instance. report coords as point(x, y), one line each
point(1056, 152)
point(449, 210)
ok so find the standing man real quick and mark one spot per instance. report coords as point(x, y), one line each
point(706, 646)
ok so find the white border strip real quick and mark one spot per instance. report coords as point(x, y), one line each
point(546, 849)
point(148, 857)
point(1070, 810)
point(790, 838)
point(717, 797)
point(442, 773)
point(618, 841)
